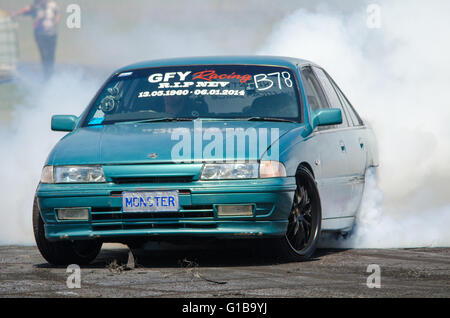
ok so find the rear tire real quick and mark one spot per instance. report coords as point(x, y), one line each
point(80, 252)
point(305, 219)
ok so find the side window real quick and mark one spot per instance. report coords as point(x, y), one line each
point(333, 98)
point(357, 121)
point(313, 91)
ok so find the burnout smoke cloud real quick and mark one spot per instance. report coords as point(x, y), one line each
point(396, 76)
point(27, 141)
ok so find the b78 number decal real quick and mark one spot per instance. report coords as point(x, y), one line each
point(266, 81)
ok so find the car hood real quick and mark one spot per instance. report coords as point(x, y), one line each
point(125, 143)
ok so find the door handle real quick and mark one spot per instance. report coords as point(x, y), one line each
point(361, 143)
point(342, 145)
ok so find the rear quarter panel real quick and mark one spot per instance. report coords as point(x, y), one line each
point(372, 147)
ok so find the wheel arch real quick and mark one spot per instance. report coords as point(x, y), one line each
point(307, 166)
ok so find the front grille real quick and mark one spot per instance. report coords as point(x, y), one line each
point(105, 209)
point(167, 215)
point(112, 218)
point(143, 226)
point(159, 215)
point(197, 207)
point(106, 216)
point(106, 227)
point(128, 180)
point(115, 214)
point(138, 226)
point(167, 226)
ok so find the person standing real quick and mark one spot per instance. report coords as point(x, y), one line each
point(46, 17)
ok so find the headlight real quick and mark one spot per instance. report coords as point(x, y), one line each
point(213, 171)
point(271, 169)
point(267, 169)
point(72, 174)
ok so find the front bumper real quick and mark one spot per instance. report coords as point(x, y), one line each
point(271, 198)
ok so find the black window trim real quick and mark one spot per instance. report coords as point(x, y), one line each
point(328, 100)
point(360, 121)
point(300, 71)
point(301, 68)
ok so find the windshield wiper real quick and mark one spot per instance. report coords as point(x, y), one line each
point(151, 120)
point(270, 119)
point(174, 119)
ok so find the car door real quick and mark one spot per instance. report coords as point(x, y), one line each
point(332, 168)
point(354, 140)
point(358, 140)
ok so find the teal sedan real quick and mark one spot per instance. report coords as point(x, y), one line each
point(256, 147)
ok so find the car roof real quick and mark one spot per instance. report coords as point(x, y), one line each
point(236, 59)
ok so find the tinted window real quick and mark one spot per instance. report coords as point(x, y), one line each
point(329, 90)
point(314, 94)
point(331, 94)
point(197, 91)
point(354, 117)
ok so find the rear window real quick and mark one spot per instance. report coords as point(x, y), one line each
point(200, 91)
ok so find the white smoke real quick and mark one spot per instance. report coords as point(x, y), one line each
point(378, 228)
point(396, 76)
point(28, 140)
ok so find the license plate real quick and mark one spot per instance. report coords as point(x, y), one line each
point(157, 201)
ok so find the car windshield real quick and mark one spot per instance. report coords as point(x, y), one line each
point(251, 92)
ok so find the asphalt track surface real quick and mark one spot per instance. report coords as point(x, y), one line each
point(228, 271)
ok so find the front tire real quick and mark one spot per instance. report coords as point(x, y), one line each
point(305, 219)
point(64, 252)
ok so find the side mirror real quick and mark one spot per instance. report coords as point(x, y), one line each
point(64, 122)
point(324, 117)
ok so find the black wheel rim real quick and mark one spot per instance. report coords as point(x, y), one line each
point(300, 231)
